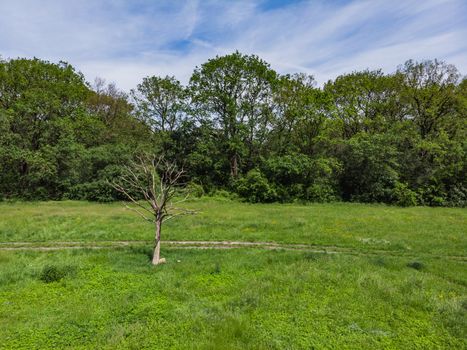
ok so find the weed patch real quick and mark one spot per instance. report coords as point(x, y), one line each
point(54, 273)
point(417, 265)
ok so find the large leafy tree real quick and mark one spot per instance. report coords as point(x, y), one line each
point(40, 102)
point(429, 91)
point(300, 111)
point(364, 101)
point(55, 129)
point(112, 108)
point(161, 103)
point(37, 93)
point(234, 92)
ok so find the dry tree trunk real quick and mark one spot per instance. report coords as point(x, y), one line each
point(157, 244)
point(234, 166)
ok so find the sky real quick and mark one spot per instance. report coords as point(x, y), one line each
point(123, 41)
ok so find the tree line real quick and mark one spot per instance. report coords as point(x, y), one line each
point(239, 126)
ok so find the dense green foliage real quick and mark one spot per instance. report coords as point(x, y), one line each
point(239, 126)
point(59, 139)
point(398, 280)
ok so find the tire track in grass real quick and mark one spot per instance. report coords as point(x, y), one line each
point(311, 248)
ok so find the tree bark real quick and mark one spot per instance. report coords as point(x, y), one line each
point(234, 166)
point(157, 244)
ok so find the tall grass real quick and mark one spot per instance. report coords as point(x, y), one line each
point(417, 230)
point(234, 299)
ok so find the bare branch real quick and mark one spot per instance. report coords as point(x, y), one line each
point(139, 213)
point(155, 179)
point(130, 197)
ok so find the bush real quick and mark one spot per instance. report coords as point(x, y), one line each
point(370, 168)
point(457, 197)
point(52, 273)
point(416, 265)
point(432, 195)
point(195, 190)
point(254, 187)
point(223, 194)
point(100, 191)
point(288, 169)
point(404, 196)
point(320, 193)
point(297, 176)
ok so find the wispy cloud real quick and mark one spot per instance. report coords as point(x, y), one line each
point(124, 40)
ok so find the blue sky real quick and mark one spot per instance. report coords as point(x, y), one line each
point(124, 40)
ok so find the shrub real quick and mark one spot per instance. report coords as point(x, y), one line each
point(254, 187)
point(195, 190)
point(403, 195)
point(100, 191)
point(223, 194)
point(457, 196)
point(288, 169)
point(370, 168)
point(52, 273)
point(320, 193)
point(432, 195)
point(416, 265)
point(298, 176)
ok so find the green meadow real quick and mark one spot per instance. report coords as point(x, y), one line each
point(386, 278)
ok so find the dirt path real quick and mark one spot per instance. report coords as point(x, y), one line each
point(326, 249)
point(57, 245)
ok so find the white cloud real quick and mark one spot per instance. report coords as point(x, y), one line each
point(123, 41)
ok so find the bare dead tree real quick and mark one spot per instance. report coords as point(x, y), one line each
point(154, 180)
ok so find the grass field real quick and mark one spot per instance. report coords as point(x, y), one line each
point(415, 230)
point(397, 281)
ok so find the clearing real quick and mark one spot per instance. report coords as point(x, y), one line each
point(238, 276)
